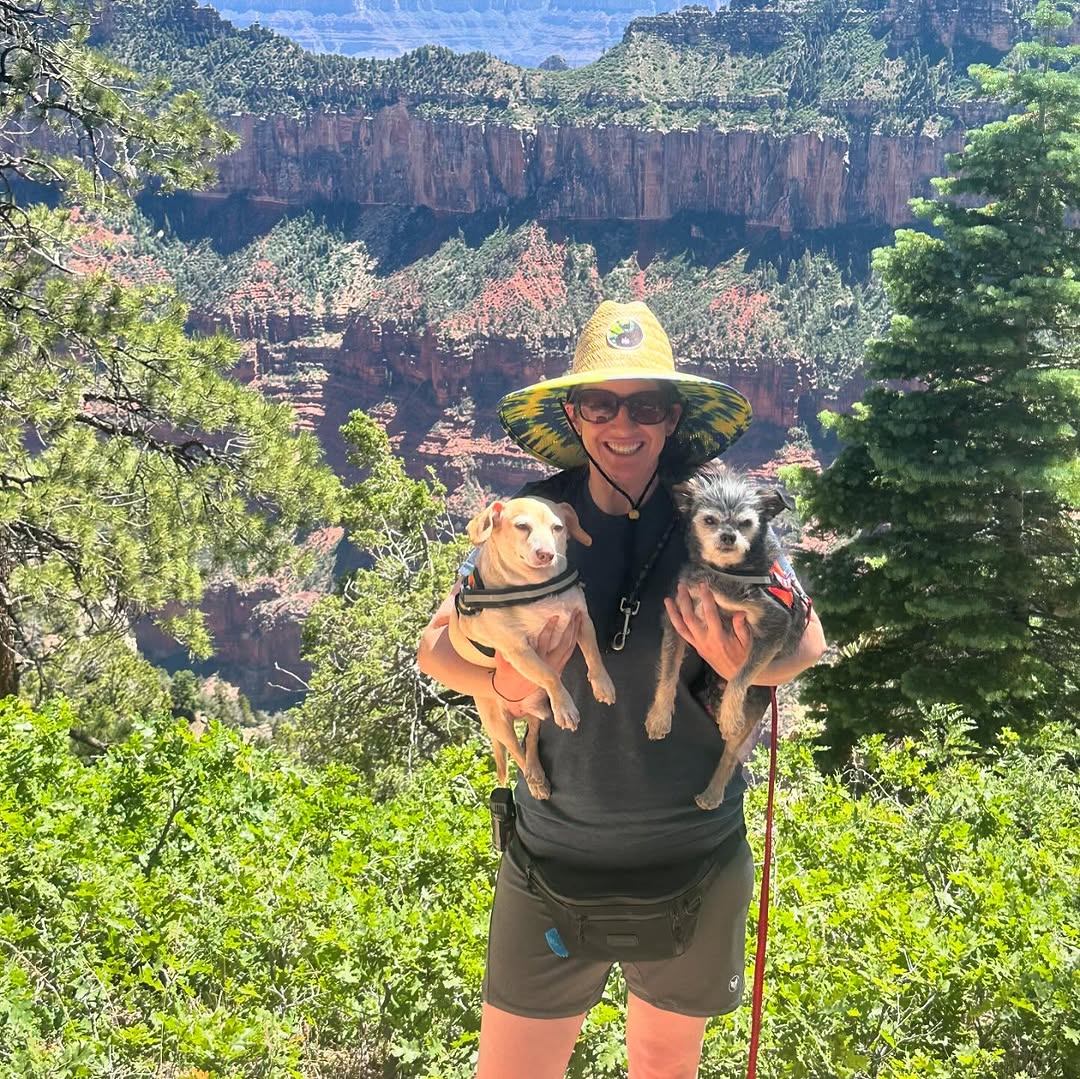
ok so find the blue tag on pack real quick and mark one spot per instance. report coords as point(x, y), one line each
point(555, 943)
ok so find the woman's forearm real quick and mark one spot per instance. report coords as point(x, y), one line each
point(811, 649)
point(437, 658)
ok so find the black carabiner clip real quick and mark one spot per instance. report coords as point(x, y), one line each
point(627, 610)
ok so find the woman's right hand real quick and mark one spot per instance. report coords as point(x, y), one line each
point(554, 645)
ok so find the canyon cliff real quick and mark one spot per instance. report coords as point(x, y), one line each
point(794, 117)
point(792, 183)
point(732, 136)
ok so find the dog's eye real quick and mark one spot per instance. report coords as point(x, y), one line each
point(747, 523)
point(523, 526)
point(556, 528)
point(709, 519)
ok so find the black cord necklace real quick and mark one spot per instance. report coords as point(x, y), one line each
point(629, 601)
point(635, 504)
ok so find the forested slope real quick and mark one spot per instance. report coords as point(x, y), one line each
point(796, 66)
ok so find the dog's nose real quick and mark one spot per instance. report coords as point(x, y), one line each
point(544, 557)
point(727, 537)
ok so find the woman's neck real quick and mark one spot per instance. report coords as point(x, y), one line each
point(610, 501)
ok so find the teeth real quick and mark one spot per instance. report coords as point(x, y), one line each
point(624, 451)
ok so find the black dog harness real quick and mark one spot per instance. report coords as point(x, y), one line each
point(780, 583)
point(473, 597)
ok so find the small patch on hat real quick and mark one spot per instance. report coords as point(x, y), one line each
point(625, 333)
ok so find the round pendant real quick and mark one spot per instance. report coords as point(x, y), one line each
point(633, 515)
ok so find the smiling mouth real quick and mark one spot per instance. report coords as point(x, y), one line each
point(623, 449)
point(552, 566)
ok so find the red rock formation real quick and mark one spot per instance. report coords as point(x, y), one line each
point(986, 22)
point(252, 630)
point(255, 627)
point(788, 182)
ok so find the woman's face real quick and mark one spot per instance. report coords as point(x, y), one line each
point(627, 451)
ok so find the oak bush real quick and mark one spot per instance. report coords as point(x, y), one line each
point(201, 904)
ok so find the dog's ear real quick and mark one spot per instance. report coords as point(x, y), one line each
point(682, 494)
point(573, 525)
point(773, 501)
point(479, 528)
point(711, 470)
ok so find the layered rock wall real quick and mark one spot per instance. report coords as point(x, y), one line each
point(791, 182)
point(932, 25)
point(951, 23)
point(252, 631)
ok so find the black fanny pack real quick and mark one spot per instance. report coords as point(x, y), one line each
point(652, 916)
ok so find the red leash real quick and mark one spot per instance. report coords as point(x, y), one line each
point(763, 903)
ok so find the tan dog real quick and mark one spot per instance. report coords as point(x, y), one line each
point(520, 580)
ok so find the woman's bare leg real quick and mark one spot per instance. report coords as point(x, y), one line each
point(513, 1047)
point(662, 1045)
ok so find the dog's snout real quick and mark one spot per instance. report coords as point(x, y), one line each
point(727, 535)
point(544, 557)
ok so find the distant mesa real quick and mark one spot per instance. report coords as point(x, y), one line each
point(529, 33)
point(789, 116)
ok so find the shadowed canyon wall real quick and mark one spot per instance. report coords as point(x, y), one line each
point(788, 182)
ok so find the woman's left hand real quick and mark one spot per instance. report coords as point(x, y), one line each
point(724, 646)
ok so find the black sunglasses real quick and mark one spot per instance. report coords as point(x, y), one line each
point(648, 407)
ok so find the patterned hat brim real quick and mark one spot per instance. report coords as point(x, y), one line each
point(714, 416)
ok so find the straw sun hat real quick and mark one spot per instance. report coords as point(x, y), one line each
point(625, 341)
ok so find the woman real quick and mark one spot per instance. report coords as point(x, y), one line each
point(620, 426)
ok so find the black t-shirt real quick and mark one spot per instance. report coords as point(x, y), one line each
point(619, 800)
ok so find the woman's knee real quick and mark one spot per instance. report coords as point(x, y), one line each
point(516, 1047)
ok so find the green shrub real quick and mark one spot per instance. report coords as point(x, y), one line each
point(182, 904)
point(926, 919)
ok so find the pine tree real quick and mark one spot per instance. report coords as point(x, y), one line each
point(955, 578)
point(131, 466)
point(184, 694)
point(368, 705)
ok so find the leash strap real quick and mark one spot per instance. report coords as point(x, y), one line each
point(763, 903)
point(629, 605)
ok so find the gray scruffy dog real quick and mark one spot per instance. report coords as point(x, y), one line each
point(736, 555)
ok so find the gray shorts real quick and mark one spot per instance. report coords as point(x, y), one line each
point(525, 977)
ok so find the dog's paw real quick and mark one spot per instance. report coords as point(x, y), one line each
point(603, 688)
point(658, 725)
point(713, 795)
point(566, 713)
point(539, 787)
point(707, 800)
point(730, 725)
point(729, 719)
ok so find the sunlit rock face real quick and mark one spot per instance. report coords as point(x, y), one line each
point(788, 182)
point(524, 32)
point(423, 146)
point(433, 384)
